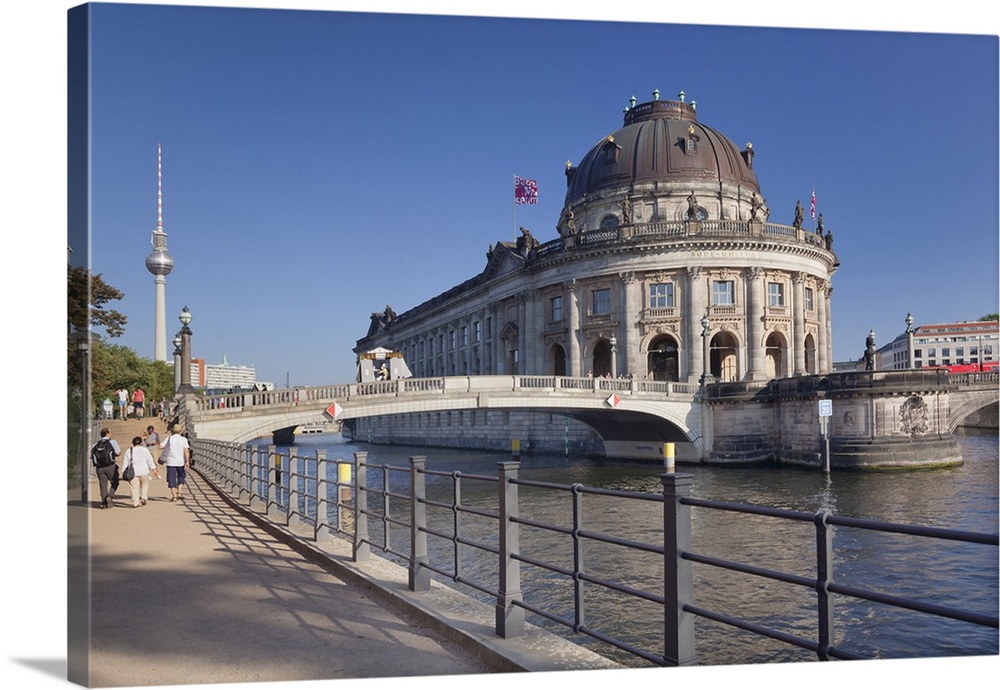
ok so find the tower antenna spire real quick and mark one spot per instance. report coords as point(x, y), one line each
point(159, 187)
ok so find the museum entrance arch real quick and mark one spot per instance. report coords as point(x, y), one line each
point(602, 358)
point(810, 344)
point(661, 360)
point(774, 356)
point(557, 360)
point(723, 357)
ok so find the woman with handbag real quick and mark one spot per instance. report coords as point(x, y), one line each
point(137, 464)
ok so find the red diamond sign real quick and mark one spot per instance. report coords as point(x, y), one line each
point(334, 410)
point(613, 400)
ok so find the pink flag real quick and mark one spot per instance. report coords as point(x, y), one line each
point(525, 191)
point(812, 206)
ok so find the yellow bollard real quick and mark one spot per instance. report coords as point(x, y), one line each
point(344, 477)
point(668, 457)
point(515, 449)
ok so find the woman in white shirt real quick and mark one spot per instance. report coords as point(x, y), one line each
point(142, 462)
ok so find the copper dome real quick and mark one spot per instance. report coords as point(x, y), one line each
point(661, 141)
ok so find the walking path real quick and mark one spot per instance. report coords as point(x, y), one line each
point(198, 591)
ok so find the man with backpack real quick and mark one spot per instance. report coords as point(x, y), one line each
point(104, 456)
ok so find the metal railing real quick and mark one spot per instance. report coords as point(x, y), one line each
point(389, 508)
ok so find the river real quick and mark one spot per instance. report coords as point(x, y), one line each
point(954, 574)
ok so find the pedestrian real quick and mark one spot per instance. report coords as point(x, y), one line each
point(151, 440)
point(103, 456)
point(139, 401)
point(108, 408)
point(176, 455)
point(122, 403)
point(139, 459)
point(164, 410)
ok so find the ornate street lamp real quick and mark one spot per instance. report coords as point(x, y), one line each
point(185, 384)
point(177, 361)
point(706, 332)
point(614, 356)
point(910, 362)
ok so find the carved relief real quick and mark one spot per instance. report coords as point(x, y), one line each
point(913, 416)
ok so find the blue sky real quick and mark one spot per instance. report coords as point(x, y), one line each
point(320, 165)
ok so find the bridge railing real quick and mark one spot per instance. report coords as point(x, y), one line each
point(242, 401)
point(467, 530)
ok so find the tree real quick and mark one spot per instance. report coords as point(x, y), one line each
point(88, 296)
point(116, 366)
point(990, 317)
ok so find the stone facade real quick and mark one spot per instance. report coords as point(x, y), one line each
point(666, 267)
point(663, 227)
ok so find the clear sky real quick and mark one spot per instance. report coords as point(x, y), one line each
point(319, 165)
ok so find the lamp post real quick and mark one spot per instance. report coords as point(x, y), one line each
point(910, 360)
point(83, 346)
point(177, 361)
point(185, 384)
point(614, 356)
point(706, 332)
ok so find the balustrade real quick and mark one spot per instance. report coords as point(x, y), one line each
point(228, 465)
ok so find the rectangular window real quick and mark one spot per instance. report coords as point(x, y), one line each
point(661, 295)
point(477, 331)
point(722, 292)
point(775, 294)
point(809, 299)
point(556, 308)
point(601, 301)
point(465, 336)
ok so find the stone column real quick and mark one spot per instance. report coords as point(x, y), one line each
point(573, 329)
point(755, 328)
point(499, 357)
point(798, 323)
point(822, 333)
point(522, 332)
point(537, 327)
point(827, 298)
point(628, 332)
point(697, 301)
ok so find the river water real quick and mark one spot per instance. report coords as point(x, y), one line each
point(949, 573)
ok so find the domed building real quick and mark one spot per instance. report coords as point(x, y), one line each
point(666, 267)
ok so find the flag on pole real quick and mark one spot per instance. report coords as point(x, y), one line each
point(525, 191)
point(812, 205)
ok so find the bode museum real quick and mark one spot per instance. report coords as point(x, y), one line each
point(667, 267)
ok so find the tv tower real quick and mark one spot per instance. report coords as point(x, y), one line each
point(160, 263)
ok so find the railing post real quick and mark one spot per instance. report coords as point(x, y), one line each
point(322, 501)
point(243, 462)
point(509, 618)
point(294, 490)
point(361, 549)
point(678, 586)
point(273, 478)
point(824, 576)
point(419, 576)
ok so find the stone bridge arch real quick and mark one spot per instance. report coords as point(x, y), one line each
point(967, 403)
point(634, 419)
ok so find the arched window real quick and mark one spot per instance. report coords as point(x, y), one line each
point(662, 359)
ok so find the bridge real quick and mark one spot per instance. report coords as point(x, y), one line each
point(650, 412)
point(720, 422)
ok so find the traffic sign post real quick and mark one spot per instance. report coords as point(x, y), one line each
point(825, 412)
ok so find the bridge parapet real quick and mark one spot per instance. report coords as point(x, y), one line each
point(245, 401)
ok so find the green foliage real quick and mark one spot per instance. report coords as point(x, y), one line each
point(87, 299)
point(116, 366)
point(990, 317)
